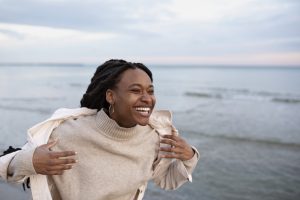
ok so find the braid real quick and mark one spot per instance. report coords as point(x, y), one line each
point(106, 77)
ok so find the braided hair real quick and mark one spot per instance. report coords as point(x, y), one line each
point(107, 77)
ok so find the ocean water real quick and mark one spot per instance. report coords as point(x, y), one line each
point(244, 121)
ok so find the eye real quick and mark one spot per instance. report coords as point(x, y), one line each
point(136, 90)
point(151, 91)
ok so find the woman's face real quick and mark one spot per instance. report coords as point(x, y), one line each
point(133, 98)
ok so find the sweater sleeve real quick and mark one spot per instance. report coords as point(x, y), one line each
point(191, 163)
point(21, 166)
point(169, 174)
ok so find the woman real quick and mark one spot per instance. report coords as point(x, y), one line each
point(113, 148)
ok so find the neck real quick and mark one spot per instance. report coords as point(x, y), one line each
point(118, 121)
point(112, 129)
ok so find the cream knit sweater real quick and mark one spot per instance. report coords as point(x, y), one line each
point(113, 161)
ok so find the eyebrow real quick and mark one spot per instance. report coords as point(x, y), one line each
point(139, 85)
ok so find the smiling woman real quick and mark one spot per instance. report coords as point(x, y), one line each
point(107, 149)
point(128, 91)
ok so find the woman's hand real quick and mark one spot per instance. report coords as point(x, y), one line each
point(179, 148)
point(49, 162)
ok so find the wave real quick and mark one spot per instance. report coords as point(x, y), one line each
point(286, 100)
point(244, 94)
point(77, 85)
point(241, 91)
point(220, 89)
point(268, 141)
point(203, 95)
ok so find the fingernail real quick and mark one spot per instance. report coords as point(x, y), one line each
point(76, 152)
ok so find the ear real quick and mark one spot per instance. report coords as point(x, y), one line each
point(110, 96)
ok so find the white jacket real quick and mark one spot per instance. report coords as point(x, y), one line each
point(39, 134)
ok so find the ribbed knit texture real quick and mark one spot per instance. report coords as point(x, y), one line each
point(113, 162)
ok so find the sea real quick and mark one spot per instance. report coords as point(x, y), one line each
point(245, 122)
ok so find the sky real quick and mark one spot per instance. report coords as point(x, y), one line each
point(172, 32)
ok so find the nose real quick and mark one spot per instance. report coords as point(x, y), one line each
point(146, 98)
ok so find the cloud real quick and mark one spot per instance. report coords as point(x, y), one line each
point(197, 29)
point(12, 34)
point(88, 15)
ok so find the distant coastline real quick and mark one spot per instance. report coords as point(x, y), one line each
point(39, 64)
point(174, 66)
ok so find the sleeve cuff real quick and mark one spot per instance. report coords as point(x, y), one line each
point(193, 161)
point(26, 161)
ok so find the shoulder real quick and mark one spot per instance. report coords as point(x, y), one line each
point(74, 125)
point(72, 112)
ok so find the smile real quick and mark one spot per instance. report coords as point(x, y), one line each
point(145, 110)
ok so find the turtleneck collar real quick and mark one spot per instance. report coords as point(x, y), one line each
point(110, 128)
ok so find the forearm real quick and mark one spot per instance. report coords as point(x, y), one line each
point(21, 166)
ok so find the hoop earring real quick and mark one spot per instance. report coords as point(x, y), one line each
point(111, 109)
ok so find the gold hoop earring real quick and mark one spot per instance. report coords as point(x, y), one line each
point(111, 109)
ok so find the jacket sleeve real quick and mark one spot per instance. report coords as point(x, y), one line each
point(4, 162)
point(169, 174)
point(21, 167)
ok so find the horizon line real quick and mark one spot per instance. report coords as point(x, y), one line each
point(81, 64)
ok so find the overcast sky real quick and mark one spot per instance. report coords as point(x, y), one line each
point(205, 32)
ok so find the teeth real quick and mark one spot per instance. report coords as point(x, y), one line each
point(143, 109)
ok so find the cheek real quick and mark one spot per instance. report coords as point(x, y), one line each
point(153, 100)
point(130, 100)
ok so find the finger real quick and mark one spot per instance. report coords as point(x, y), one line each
point(168, 141)
point(57, 154)
point(60, 167)
point(168, 149)
point(54, 162)
point(172, 137)
point(51, 144)
point(174, 130)
point(172, 143)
